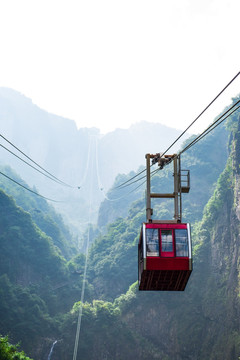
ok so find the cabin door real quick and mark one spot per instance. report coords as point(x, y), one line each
point(167, 243)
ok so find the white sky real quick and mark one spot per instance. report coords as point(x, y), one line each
point(108, 63)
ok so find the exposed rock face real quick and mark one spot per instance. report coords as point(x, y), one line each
point(237, 171)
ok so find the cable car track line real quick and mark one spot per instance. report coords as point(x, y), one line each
point(33, 167)
point(122, 185)
point(88, 161)
point(79, 321)
point(26, 188)
point(97, 165)
point(34, 192)
point(100, 183)
point(211, 127)
point(60, 181)
point(198, 138)
point(207, 131)
point(216, 97)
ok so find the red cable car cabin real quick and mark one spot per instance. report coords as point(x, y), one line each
point(164, 256)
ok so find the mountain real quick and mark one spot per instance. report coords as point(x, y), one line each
point(200, 323)
point(42, 213)
point(73, 155)
point(37, 282)
point(42, 270)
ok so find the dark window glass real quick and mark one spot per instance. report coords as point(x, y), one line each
point(181, 239)
point(167, 243)
point(152, 242)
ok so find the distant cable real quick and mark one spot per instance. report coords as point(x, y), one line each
point(44, 174)
point(8, 177)
point(152, 174)
point(60, 181)
point(100, 183)
point(80, 312)
point(133, 182)
point(97, 167)
point(123, 196)
point(198, 138)
point(128, 183)
point(88, 161)
point(202, 112)
point(204, 133)
point(125, 182)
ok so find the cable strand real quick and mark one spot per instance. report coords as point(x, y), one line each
point(33, 167)
point(60, 181)
point(79, 322)
point(230, 82)
point(211, 127)
point(26, 188)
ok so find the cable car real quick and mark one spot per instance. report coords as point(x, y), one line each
point(164, 256)
point(164, 249)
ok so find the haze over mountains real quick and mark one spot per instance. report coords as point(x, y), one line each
point(71, 154)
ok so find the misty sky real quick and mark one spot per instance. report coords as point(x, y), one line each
point(112, 63)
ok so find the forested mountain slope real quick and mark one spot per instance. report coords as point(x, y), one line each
point(36, 281)
point(42, 213)
point(200, 323)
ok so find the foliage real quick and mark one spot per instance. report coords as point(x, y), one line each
point(221, 195)
point(10, 352)
point(36, 282)
point(41, 212)
point(40, 283)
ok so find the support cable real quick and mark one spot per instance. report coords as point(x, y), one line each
point(143, 177)
point(88, 162)
point(126, 182)
point(26, 188)
point(211, 127)
point(123, 196)
point(100, 183)
point(198, 138)
point(47, 172)
point(33, 167)
point(97, 166)
point(216, 97)
point(230, 82)
point(34, 192)
point(79, 322)
point(154, 172)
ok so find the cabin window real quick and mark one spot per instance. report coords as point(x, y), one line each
point(152, 242)
point(181, 240)
point(167, 241)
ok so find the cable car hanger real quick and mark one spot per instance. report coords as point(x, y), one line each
point(181, 184)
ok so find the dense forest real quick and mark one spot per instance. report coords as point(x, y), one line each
point(42, 269)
